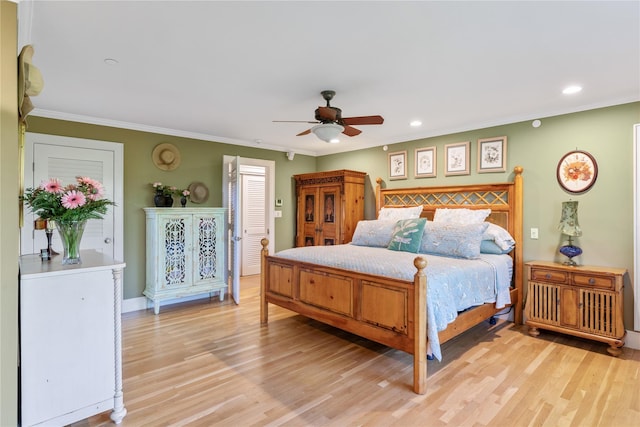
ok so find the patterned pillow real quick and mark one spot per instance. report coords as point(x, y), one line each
point(407, 235)
point(461, 215)
point(454, 240)
point(376, 233)
point(397, 214)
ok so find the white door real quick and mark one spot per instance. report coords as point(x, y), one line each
point(254, 221)
point(231, 201)
point(48, 156)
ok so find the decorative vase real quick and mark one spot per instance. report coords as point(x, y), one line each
point(168, 201)
point(183, 201)
point(71, 235)
point(158, 199)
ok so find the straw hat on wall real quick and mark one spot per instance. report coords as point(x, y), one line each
point(166, 157)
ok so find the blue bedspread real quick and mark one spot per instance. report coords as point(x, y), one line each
point(453, 284)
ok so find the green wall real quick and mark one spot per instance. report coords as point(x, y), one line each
point(200, 161)
point(9, 236)
point(605, 211)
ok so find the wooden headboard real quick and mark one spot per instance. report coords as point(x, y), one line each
point(504, 199)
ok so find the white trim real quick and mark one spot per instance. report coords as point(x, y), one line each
point(632, 340)
point(636, 225)
point(163, 131)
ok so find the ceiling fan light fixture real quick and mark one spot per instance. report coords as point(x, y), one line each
point(328, 132)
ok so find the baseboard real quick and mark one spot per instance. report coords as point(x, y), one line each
point(633, 340)
point(143, 303)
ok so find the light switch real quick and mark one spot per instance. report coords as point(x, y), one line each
point(277, 214)
point(534, 233)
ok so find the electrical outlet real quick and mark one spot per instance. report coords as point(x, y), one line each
point(277, 214)
point(534, 233)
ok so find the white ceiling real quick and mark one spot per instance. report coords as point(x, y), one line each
point(223, 71)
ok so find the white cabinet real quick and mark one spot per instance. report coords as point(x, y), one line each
point(70, 339)
point(185, 253)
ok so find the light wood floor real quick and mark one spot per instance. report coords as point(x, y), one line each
point(206, 363)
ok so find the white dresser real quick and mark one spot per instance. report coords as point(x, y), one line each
point(70, 339)
point(185, 253)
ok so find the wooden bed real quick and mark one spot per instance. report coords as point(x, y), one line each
point(393, 312)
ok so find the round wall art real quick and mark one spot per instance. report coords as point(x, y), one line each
point(577, 171)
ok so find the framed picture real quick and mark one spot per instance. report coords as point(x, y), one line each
point(456, 158)
point(425, 162)
point(398, 165)
point(492, 154)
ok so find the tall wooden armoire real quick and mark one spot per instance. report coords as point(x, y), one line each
point(329, 206)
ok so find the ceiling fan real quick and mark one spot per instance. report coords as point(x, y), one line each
point(331, 123)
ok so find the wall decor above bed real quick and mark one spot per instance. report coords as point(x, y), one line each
point(398, 165)
point(456, 159)
point(492, 154)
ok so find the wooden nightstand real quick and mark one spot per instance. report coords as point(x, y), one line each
point(584, 301)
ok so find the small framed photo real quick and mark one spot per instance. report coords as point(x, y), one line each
point(398, 165)
point(456, 158)
point(425, 162)
point(492, 154)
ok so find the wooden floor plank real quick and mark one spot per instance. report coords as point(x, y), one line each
point(206, 362)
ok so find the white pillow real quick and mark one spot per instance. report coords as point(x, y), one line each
point(396, 214)
point(500, 236)
point(461, 216)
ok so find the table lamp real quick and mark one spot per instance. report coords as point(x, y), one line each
point(569, 226)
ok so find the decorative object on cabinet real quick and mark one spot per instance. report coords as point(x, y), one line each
point(456, 159)
point(492, 154)
point(329, 206)
point(163, 195)
point(569, 226)
point(582, 301)
point(199, 193)
point(425, 162)
point(69, 207)
point(398, 165)
point(70, 340)
point(577, 171)
point(166, 157)
point(185, 253)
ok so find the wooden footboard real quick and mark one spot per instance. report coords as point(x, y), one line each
point(390, 312)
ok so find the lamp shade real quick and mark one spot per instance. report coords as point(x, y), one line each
point(569, 219)
point(328, 132)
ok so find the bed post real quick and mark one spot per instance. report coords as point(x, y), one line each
point(519, 237)
point(264, 309)
point(378, 201)
point(420, 327)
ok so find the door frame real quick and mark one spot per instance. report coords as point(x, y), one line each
point(31, 138)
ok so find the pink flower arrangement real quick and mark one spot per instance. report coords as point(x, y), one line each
point(74, 202)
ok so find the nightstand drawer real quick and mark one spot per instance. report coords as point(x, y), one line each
point(556, 276)
point(603, 282)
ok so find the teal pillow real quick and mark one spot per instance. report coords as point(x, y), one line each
point(407, 235)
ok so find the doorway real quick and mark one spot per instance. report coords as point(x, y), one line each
point(248, 193)
point(50, 156)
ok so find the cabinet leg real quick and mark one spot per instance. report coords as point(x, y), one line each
point(533, 331)
point(614, 351)
point(156, 307)
point(221, 294)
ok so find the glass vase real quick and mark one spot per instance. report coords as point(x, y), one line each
point(71, 234)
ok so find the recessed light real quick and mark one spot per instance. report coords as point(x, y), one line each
point(111, 61)
point(415, 123)
point(570, 90)
point(536, 123)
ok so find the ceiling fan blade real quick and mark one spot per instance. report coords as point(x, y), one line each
point(327, 113)
point(293, 121)
point(349, 131)
point(363, 120)
point(306, 132)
